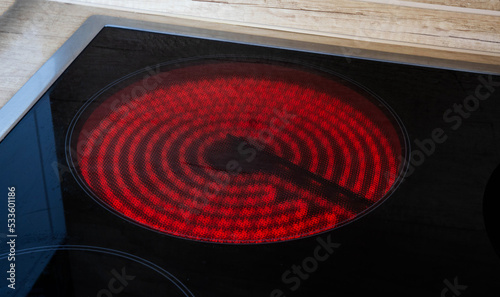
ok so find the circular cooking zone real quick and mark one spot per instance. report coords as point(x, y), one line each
point(238, 152)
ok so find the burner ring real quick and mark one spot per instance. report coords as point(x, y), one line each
point(308, 151)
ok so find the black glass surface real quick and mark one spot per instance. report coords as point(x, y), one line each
point(428, 239)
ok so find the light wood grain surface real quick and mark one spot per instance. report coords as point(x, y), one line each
point(32, 30)
point(478, 4)
point(435, 4)
point(4, 5)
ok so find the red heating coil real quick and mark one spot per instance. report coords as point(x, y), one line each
point(151, 158)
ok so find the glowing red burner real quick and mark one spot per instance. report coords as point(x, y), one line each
point(239, 152)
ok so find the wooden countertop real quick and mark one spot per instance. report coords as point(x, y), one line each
point(32, 30)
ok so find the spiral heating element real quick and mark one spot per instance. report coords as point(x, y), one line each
point(240, 152)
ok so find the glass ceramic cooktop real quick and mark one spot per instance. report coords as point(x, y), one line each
point(164, 164)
